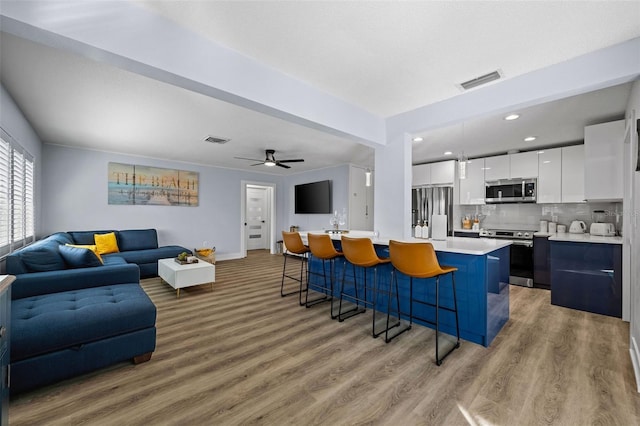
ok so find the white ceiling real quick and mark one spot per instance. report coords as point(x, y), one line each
point(385, 57)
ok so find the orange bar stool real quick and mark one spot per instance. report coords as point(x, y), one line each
point(322, 248)
point(418, 260)
point(294, 244)
point(360, 253)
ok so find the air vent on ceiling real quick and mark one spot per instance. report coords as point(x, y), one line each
point(214, 139)
point(479, 81)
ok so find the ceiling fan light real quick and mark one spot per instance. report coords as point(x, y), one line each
point(269, 163)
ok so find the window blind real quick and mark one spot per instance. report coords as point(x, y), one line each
point(17, 218)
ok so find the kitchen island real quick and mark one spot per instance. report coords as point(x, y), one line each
point(482, 283)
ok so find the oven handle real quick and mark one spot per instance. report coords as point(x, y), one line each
point(526, 243)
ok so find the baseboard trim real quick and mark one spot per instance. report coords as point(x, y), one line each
point(635, 360)
point(228, 256)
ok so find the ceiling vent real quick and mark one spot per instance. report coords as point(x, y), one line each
point(215, 139)
point(479, 81)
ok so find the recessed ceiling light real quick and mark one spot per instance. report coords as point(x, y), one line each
point(530, 139)
point(512, 117)
point(418, 139)
point(546, 161)
point(540, 152)
point(448, 153)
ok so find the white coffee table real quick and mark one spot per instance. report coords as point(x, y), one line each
point(180, 276)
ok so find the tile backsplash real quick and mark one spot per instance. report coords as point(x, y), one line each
point(528, 216)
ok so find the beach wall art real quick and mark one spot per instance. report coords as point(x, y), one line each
point(131, 184)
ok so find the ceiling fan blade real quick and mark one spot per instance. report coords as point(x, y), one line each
point(250, 159)
point(282, 165)
point(298, 160)
point(257, 164)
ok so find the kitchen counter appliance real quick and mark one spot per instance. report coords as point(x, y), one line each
point(520, 252)
point(577, 227)
point(603, 229)
point(510, 191)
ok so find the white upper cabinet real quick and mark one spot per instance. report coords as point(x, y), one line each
point(497, 167)
point(472, 189)
point(573, 174)
point(550, 176)
point(443, 172)
point(603, 148)
point(520, 165)
point(421, 175)
point(524, 165)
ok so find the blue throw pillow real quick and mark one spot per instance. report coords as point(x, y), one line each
point(77, 257)
point(42, 259)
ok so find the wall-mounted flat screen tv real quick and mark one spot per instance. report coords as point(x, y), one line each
point(314, 197)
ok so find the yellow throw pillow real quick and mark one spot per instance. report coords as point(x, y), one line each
point(106, 243)
point(93, 248)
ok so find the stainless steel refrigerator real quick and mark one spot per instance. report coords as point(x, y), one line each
point(429, 200)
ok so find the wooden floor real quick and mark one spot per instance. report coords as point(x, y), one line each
point(241, 354)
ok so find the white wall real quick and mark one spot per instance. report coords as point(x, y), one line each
point(16, 125)
point(339, 176)
point(632, 216)
point(75, 198)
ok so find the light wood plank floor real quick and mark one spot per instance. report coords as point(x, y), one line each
point(241, 354)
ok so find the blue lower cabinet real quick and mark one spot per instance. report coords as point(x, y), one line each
point(587, 277)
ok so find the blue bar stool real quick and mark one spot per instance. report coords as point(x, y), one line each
point(294, 245)
point(322, 248)
point(418, 260)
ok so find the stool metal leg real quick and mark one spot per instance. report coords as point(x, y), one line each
point(455, 310)
point(357, 309)
point(394, 282)
point(438, 360)
point(309, 303)
point(300, 280)
point(455, 307)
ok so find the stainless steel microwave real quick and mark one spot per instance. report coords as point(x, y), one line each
point(510, 191)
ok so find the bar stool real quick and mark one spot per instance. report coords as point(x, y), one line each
point(360, 253)
point(322, 248)
point(294, 244)
point(418, 260)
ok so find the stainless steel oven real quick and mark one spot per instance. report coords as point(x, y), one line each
point(520, 252)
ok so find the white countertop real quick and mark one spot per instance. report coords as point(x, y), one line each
point(461, 245)
point(585, 238)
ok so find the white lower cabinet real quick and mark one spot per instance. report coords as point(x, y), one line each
point(550, 176)
point(573, 174)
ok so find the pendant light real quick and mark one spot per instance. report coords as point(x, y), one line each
point(367, 177)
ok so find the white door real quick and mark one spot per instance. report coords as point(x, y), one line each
point(257, 218)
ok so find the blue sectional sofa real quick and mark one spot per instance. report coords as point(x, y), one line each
point(71, 314)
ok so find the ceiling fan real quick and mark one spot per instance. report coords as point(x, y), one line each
point(270, 160)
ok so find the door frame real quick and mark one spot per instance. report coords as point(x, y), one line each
point(271, 197)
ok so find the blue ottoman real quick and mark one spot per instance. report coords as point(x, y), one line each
point(58, 335)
